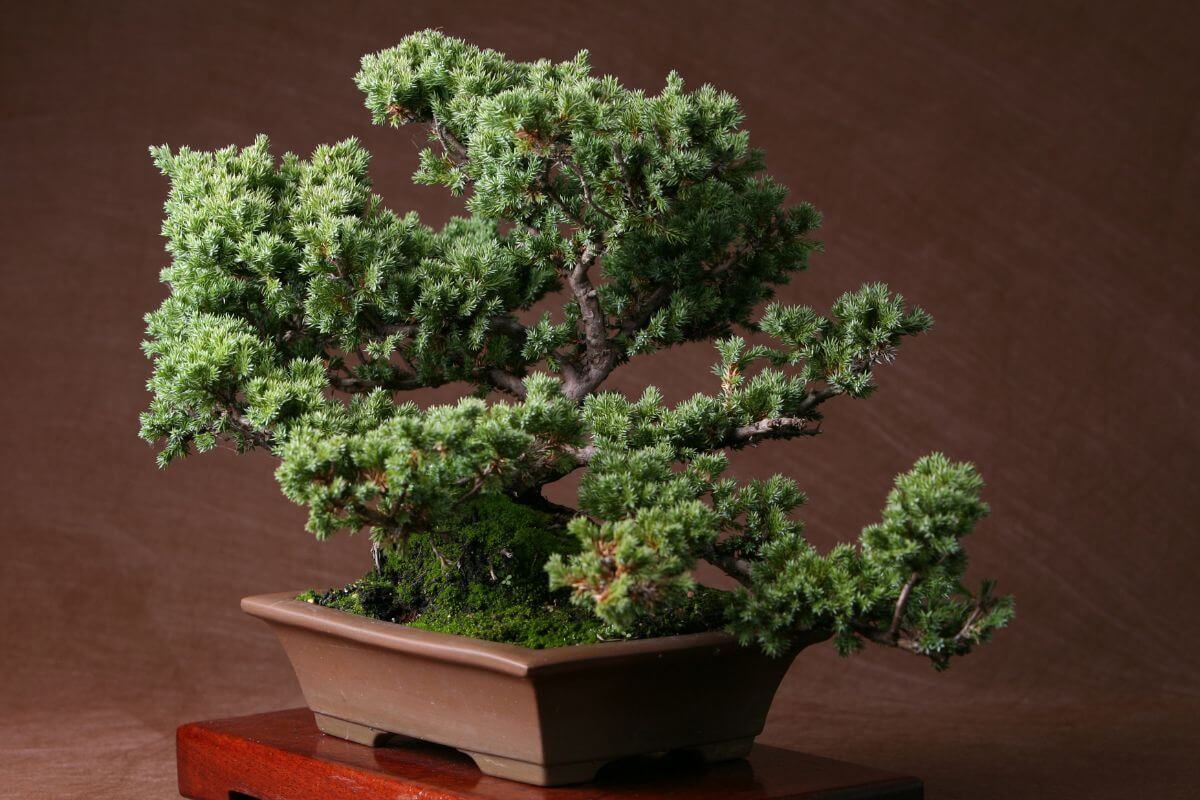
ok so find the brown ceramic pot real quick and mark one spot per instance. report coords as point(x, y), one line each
point(546, 717)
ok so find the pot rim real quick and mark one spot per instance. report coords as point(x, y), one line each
point(284, 609)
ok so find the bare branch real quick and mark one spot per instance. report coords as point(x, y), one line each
point(509, 325)
point(983, 605)
point(731, 565)
point(782, 427)
point(893, 631)
point(507, 382)
point(770, 428)
point(450, 143)
point(237, 420)
point(965, 631)
point(816, 398)
point(582, 455)
point(899, 640)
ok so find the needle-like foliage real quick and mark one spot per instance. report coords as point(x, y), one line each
point(301, 310)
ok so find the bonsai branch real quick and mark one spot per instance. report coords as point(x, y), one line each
point(968, 626)
point(983, 606)
point(506, 382)
point(573, 168)
point(733, 566)
point(582, 455)
point(450, 142)
point(598, 353)
point(770, 428)
point(783, 427)
point(236, 419)
point(893, 631)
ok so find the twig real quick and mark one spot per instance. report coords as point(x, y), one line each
point(980, 608)
point(449, 141)
point(242, 424)
point(893, 631)
point(587, 192)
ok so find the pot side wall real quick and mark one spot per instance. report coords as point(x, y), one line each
point(545, 716)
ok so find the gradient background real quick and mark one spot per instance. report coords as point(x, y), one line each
point(1029, 172)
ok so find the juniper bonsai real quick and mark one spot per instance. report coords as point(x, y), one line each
point(301, 311)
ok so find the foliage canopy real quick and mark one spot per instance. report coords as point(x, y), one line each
point(301, 310)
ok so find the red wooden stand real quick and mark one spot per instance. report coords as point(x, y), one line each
point(282, 756)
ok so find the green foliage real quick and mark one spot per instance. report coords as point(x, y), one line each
point(416, 466)
point(665, 186)
point(864, 329)
point(639, 560)
point(200, 362)
point(321, 287)
point(301, 310)
point(901, 586)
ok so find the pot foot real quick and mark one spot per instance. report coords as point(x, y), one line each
point(725, 751)
point(354, 732)
point(537, 774)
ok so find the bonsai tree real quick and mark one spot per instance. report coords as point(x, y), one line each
point(604, 223)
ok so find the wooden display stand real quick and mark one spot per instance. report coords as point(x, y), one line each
point(282, 756)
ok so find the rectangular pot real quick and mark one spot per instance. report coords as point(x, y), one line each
point(546, 717)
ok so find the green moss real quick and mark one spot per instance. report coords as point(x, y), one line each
point(488, 581)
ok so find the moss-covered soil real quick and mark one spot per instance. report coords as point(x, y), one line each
point(485, 578)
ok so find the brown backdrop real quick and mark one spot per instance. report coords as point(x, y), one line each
point(1029, 172)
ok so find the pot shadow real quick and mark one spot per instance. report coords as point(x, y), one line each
point(680, 770)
